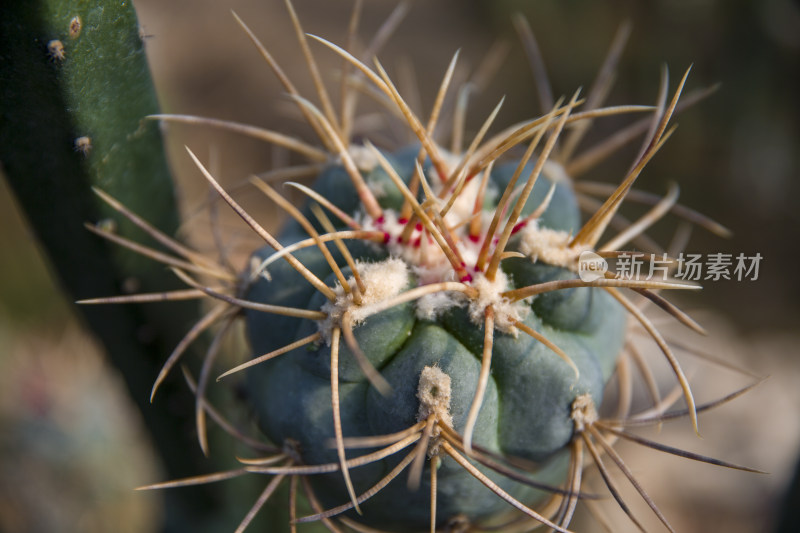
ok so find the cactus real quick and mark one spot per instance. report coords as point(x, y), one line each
point(543, 354)
point(76, 89)
point(424, 313)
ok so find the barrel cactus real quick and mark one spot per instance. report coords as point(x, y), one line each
point(422, 332)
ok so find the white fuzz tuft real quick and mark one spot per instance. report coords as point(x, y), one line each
point(549, 246)
point(430, 306)
point(377, 188)
point(433, 393)
point(584, 412)
point(505, 312)
point(363, 157)
point(383, 280)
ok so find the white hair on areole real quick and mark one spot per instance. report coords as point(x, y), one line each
point(383, 280)
point(506, 313)
point(550, 246)
point(431, 306)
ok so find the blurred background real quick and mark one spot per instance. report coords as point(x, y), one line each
point(71, 447)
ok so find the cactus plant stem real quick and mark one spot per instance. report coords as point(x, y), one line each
point(71, 120)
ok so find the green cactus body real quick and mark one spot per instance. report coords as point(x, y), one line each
point(75, 93)
point(527, 405)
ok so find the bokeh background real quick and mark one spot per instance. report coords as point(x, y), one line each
point(71, 446)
